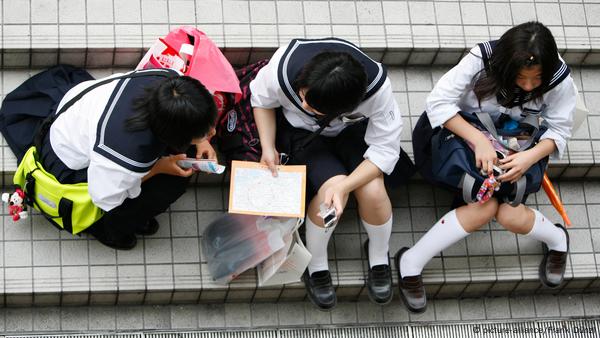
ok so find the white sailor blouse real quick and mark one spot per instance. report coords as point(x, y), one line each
point(91, 134)
point(272, 88)
point(454, 93)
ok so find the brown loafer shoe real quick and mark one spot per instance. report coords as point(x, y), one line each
point(552, 267)
point(412, 291)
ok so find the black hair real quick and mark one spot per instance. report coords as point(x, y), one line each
point(524, 45)
point(176, 110)
point(335, 82)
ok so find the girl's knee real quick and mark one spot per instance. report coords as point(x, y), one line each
point(475, 215)
point(373, 193)
point(331, 182)
point(515, 219)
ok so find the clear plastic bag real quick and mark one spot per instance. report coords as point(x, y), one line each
point(234, 243)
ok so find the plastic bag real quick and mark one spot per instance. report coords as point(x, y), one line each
point(201, 59)
point(234, 243)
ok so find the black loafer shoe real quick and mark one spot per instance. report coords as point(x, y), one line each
point(552, 267)
point(379, 281)
point(412, 291)
point(319, 289)
point(149, 228)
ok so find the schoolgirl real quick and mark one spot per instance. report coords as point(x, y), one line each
point(336, 114)
point(123, 137)
point(520, 76)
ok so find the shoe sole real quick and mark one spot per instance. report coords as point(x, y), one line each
point(541, 274)
point(410, 308)
point(387, 301)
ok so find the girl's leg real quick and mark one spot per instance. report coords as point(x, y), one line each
point(317, 278)
point(532, 223)
point(375, 210)
point(317, 237)
point(117, 227)
point(451, 228)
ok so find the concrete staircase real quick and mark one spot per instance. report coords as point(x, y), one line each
point(418, 40)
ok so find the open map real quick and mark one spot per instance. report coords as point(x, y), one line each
point(253, 190)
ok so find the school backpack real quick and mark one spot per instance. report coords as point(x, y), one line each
point(237, 135)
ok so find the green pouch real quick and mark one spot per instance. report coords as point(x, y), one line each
point(69, 206)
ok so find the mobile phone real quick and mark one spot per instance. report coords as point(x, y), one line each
point(328, 215)
point(209, 166)
point(497, 171)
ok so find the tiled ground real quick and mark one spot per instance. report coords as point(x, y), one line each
point(43, 266)
point(40, 266)
point(93, 319)
point(411, 86)
point(100, 33)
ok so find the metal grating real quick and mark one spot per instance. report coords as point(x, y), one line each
point(584, 328)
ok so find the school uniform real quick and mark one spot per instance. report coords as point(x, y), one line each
point(371, 131)
point(454, 93)
point(377, 119)
point(88, 142)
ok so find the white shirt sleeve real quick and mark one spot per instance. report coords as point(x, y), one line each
point(558, 116)
point(109, 184)
point(383, 129)
point(265, 86)
point(443, 101)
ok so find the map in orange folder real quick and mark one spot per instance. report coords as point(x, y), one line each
point(253, 190)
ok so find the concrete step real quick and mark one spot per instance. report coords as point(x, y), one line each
point(42, 266)
point(96, 33)
point(411, 86)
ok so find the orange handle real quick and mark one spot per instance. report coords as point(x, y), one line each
point(555, 200)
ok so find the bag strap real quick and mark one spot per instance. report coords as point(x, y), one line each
point(65, 205)
point(487, 122)
point(322, 125)
point(467, 182)
point(39, 139)
point(519, 192)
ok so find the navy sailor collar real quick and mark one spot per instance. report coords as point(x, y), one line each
point(561, 72)
point(300, 51)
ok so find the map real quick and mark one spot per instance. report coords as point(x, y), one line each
point(253, 190)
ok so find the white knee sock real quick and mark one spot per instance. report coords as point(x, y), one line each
point(545, 231)
point(379, 241)
point(444, 233)
point(317, 239)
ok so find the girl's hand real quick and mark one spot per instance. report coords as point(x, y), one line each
point(205, 150)
point(168, 165)
point(485, 155)
point(270, 158)
point(515, 166)
point(335, 196)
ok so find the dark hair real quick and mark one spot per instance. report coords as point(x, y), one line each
point(336, 82)
point(176, 110)
point(525, 45)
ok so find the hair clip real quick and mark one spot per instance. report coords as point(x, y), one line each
point(530, 60)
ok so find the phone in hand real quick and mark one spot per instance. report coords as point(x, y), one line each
point(204, 165)
point(328, 215)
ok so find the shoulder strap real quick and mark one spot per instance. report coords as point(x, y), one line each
point(45, 127)
point(150, 72)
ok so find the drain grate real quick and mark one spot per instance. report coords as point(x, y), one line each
point(584, 328)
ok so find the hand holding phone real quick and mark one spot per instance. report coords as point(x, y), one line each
point(328, 215)
point(208, 166)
